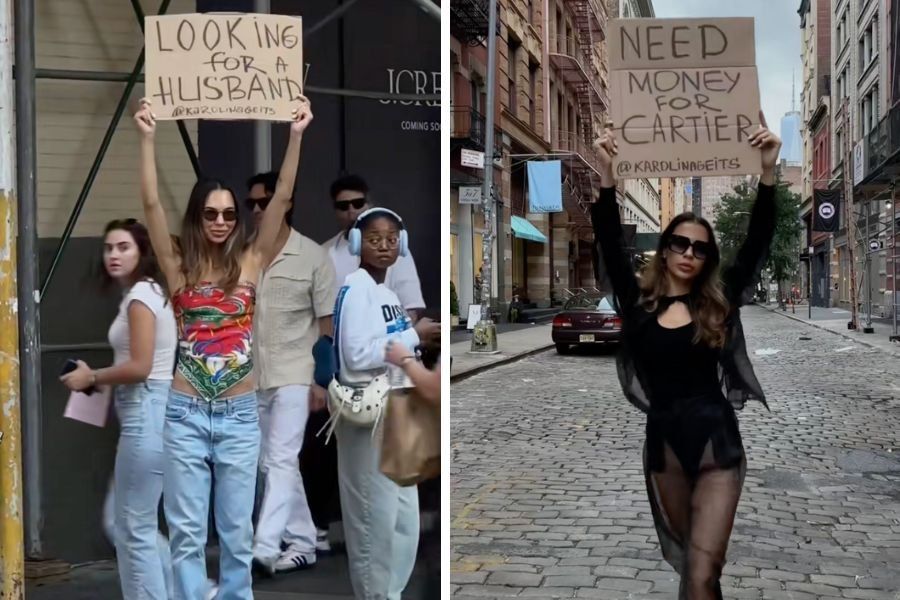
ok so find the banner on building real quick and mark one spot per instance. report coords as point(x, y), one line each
point(544, 186)
point(224, 66)
point(826, 210)
point(684, 97)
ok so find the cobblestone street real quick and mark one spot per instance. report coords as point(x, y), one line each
point(548, 498)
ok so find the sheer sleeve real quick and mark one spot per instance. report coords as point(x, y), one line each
point(755, 251)
point(608, 232)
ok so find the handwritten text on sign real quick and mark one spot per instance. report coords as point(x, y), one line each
point(685, 97)
point(215, 66)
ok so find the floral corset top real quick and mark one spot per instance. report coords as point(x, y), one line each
point(215, 332)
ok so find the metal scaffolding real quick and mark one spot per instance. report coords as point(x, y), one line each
point(29, 292)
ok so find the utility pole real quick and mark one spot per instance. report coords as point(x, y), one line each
point(484, 336)
point(850, 215)
point(12, 558)
point(894, 256)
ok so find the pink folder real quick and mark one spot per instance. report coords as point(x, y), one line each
point(92, 409)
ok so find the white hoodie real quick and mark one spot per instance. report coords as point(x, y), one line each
point(368, 315)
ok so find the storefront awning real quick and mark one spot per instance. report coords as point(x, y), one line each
point(526, 231)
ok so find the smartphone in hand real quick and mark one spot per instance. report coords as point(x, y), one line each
point(70, 366)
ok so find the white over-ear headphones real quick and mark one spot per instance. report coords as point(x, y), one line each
point(354, 236)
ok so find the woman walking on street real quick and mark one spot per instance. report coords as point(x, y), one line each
point(143, 340)
point(212, 417)
point(681, 329)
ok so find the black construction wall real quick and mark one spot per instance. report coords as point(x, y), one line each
point(362, 136)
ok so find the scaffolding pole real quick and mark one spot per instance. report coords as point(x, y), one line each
point(850, 213)
point(27, 271)
point(12, 580)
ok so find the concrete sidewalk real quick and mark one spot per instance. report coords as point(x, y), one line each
point(835, 320)
point(511, 344)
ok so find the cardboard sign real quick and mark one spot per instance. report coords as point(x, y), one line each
point(685, 97)
point(224, 66)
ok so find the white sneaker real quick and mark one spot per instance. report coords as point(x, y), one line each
point(323, 546)
point(292, 560)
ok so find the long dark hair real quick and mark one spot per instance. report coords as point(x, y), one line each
point(147, 267)
point(197, 252)
point(709, 305)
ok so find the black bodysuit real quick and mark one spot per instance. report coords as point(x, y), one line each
point(688, 411)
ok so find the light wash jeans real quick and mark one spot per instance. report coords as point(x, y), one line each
point(131, 511)
point(284, 513)
point(381, 519)
point(205, 438)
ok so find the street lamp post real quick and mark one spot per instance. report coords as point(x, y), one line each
point(484, 335)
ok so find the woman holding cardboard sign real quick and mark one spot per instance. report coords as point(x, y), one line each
point(681, 329)
point(212, 418)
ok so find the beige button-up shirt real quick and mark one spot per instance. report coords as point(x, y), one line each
point(295, 291)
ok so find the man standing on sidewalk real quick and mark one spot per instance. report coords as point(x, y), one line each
point(350, 197)
point(294, 307)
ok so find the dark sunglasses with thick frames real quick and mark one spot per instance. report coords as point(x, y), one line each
point(211, 214)
point(680, 244)
point(344, 205)
point(263, 203)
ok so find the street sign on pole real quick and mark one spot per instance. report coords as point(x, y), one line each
point(471, 158)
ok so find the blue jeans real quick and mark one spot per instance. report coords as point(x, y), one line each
point(203, 437)
point(145, 568)
point(381, 519)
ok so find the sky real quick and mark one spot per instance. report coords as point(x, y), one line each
point(777, 44)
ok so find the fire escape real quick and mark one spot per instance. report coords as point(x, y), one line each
point(469, 21)
point(574, 57)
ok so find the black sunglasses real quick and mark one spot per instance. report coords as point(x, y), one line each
point(680, 244)
point(262, 202)
point(211, 214)
point(344, 205)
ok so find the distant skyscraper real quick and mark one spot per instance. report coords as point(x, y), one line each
point(792, 143)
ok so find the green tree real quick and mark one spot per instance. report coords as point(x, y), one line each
point(733, 217)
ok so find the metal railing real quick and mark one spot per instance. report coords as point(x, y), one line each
point(883, 141)
point(467, 124)
point(572, 47)
point(570, 141)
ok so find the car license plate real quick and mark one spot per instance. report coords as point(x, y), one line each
point(586, 337)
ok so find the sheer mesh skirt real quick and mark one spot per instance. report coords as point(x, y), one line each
point(694, 466)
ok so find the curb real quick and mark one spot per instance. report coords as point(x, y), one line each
point(837, 333)
point(503, 361)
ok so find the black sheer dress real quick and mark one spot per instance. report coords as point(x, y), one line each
point(694, 460)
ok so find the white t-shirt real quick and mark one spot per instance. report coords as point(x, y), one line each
point(368, 315)
point(402, 276)
point(150, 295)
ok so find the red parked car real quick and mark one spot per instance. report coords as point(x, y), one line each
point(586, 320)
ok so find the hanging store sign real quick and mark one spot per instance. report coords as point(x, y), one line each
point(471, 158)
point(685, 97)
point(859, 163)
point(469, 194)
point(224, 66)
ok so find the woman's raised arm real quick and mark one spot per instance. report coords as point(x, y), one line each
point(154, 214)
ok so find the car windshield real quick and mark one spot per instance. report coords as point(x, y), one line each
point(589, 303)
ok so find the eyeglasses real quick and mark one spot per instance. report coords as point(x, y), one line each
point(263, 203)
point(375, 241)
point(680, 244)
point(212, 215)
point(344, 205)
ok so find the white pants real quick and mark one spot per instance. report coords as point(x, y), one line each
point(284, 515)
point(381, 519)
